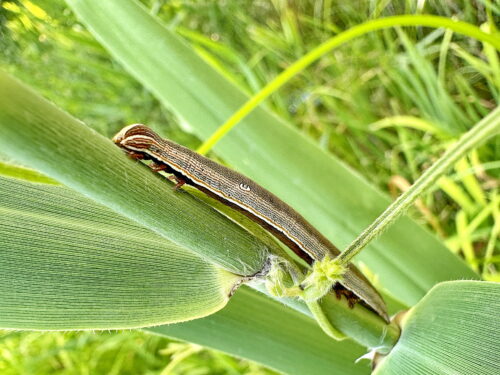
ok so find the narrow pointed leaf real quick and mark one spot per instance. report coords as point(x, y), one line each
point(407, 259)
point(67, 262)
point(452, 330)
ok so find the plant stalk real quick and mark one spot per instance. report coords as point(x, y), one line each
point(482, 131)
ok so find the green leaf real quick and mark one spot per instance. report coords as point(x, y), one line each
point(407, 259)
point(255, 327)
point(36, 133)
point(69, 263)
point(452, 330)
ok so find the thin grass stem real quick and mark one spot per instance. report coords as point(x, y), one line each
point(382, 23)
point(483, 130)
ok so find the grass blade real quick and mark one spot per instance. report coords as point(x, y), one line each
point(69, 263)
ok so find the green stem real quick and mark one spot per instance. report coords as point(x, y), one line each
point(323, 321)
point(364, 28)
point(486, 128)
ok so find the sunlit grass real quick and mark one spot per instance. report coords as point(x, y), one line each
point(119, 353)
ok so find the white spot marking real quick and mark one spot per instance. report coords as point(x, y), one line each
point(244, 187)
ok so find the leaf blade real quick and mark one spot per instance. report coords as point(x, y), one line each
point(452, 330)
point(69, 263)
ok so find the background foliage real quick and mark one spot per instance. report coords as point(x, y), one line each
point(367, 103)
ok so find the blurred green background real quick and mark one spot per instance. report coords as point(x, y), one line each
point(387, 104)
